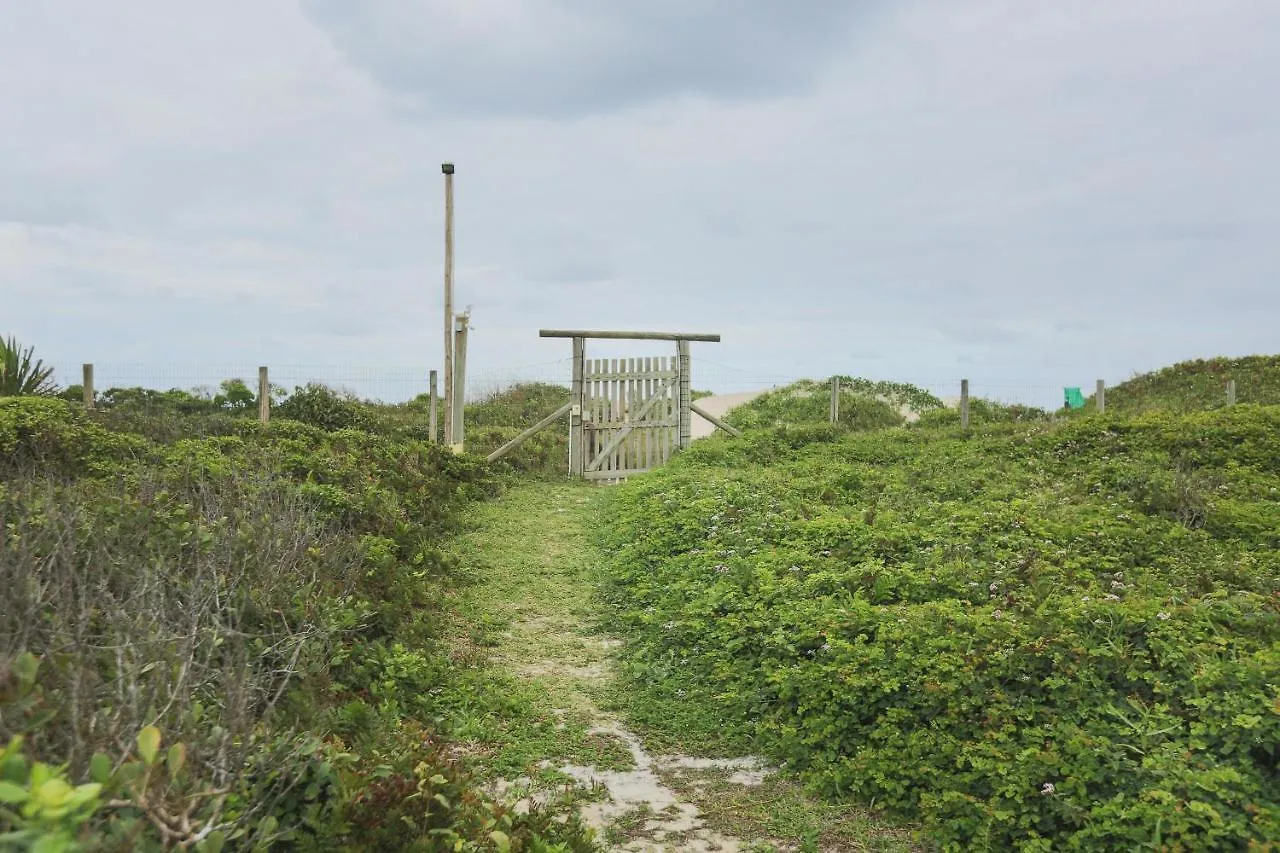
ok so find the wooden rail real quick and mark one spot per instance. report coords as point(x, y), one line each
point(630, 336)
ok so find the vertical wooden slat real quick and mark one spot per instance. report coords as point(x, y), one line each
point(615, 389)
point(629, 446)
point(647, 389)
point(622, 411)
point(597, 407)
point(964, 403)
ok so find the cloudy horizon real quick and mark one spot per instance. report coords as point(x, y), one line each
point(1027, 194)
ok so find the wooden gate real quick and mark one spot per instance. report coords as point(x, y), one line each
point(626, 415)
point(630, 415)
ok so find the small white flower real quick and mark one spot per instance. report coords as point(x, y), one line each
point(1085, 598)
point(1047, 788)
point(1110, 597)
point(1117, 585)
point(996, 614)
point(1162, 616)
point(994, 586)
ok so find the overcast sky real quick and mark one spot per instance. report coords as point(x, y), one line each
point(1030, 193)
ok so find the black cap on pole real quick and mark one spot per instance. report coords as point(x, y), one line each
point(447, 168)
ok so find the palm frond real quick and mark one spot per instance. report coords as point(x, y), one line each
point(21, 373)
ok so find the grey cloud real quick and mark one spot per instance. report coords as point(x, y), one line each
point(571, 58)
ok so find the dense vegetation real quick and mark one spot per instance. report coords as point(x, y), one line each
point(1199, 385)
point(502, 415)
point(1029, 636)
point(219, 635)
point(864, 404)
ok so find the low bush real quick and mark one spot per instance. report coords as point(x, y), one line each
point(1032, 636)
point(266, 603)
point(864, 404)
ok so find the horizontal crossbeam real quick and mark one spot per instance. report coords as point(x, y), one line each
point(630, 336)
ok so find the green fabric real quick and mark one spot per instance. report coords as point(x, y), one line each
point(1074, 399)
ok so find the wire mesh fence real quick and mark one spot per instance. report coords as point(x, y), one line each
point(500, 401)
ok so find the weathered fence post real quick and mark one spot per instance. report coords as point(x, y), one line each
point(685, 434)
point(88, 386)
point(577, 453)
point(432, 382)
point(264, 396)
point(835, 399)
point(964, 403)
point(1231, 392)
point(460, 380)
point(1100, 396)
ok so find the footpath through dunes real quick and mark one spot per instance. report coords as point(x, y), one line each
point(531, 613)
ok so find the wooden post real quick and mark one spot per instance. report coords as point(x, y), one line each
point(432, 383)
point(525, 435)
point(685, 396)
point(447, 169)
point(264, 396)
point(1100, 396)
point(964, 403)
point(577, 452)
point(459, 381)
point(835, 399)
point(1231, 392)
point(714, 421)
point(88, 386)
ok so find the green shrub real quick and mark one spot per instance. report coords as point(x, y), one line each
point(982, 412)
point(264, 600)
point(864, 405)
point(1032, 637)
point(324, 408)
point(1198, 385)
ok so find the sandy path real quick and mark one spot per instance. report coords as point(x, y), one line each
point(719, 405)
point(535, 555)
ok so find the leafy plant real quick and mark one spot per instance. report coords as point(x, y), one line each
point(21, 373)
point(261, 596)
point(1034, 636)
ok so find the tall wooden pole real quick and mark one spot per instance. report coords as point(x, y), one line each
point(447, 169)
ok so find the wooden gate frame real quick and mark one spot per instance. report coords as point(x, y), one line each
point(685, 407)
point(684, 398)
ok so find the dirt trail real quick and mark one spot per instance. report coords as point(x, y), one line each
point(535, 556)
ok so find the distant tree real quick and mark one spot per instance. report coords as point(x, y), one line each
point(235, 395)
point(22, 375)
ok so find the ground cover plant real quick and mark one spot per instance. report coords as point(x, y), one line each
point(864, 404)
point(1031, 636)
point(502, 415)
point(1198, 385)
point(218, 635)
